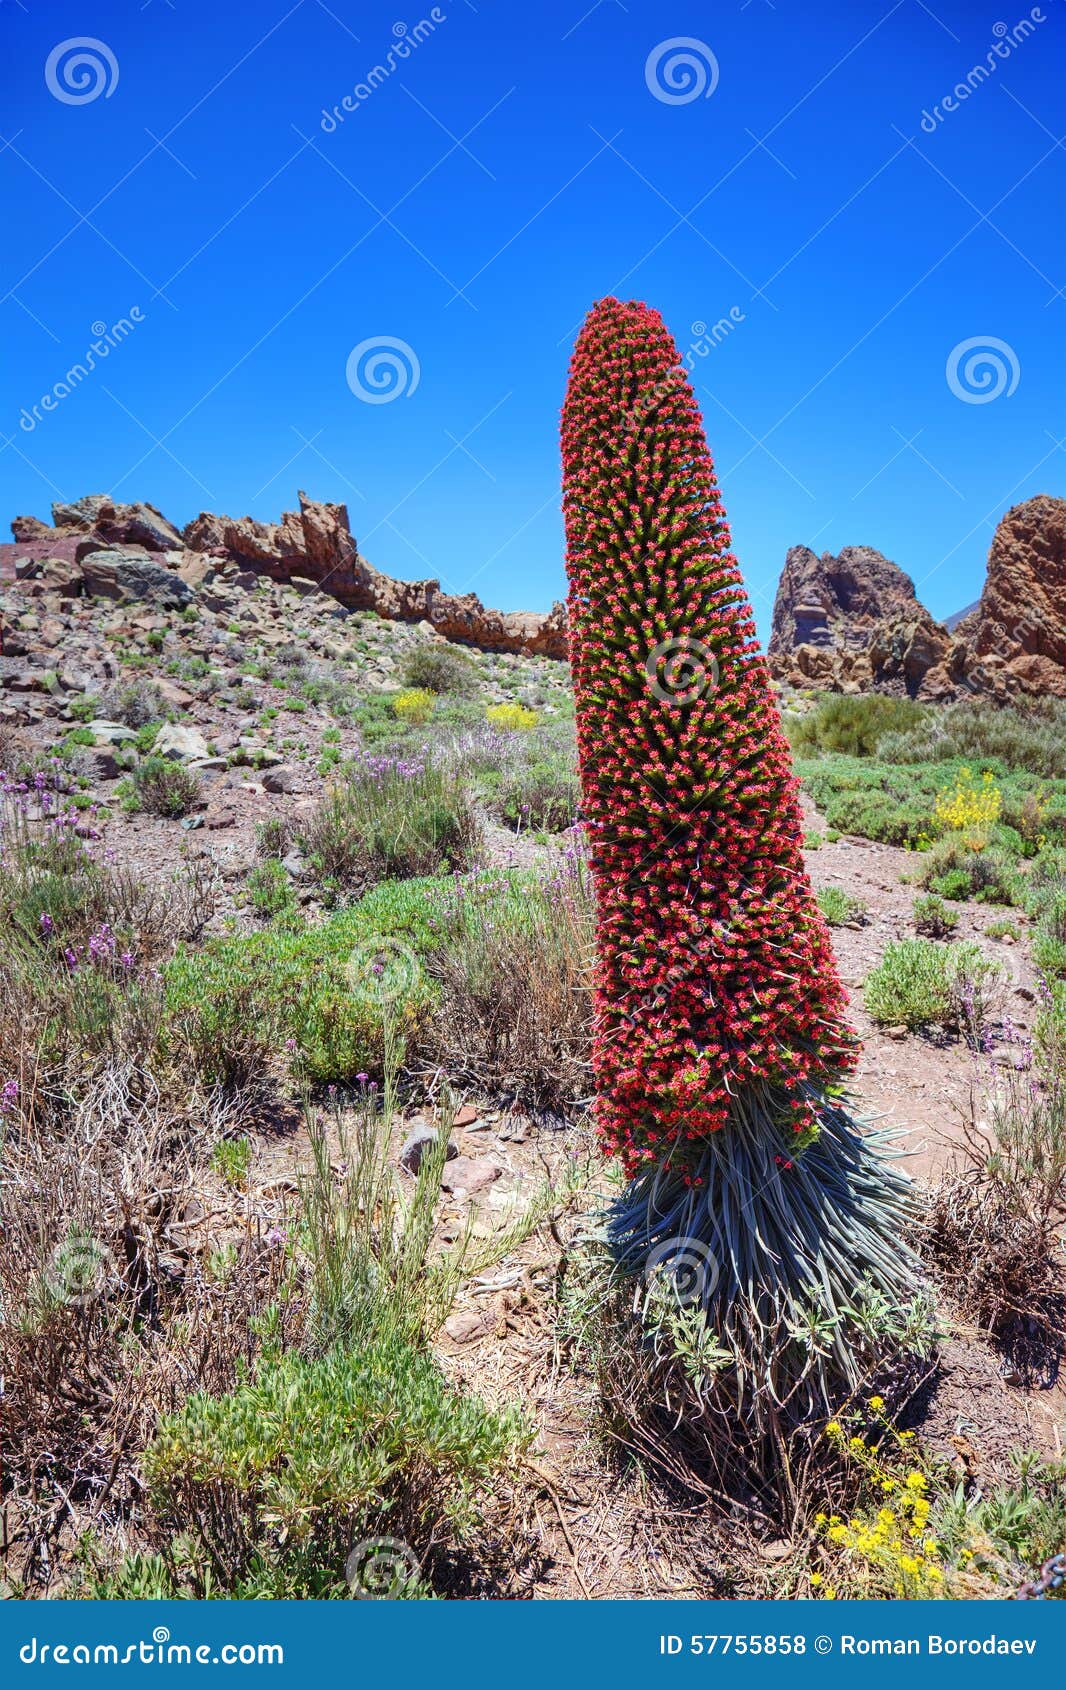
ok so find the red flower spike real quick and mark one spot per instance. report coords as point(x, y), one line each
point(715, 965)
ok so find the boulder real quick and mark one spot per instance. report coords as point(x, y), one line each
point(180, 743)
point(129, 576)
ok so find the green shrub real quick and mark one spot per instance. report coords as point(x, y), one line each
point(920, 983)
point(1033, 742)
point(438, 669)
point(232, 1160)
point(164, 788)
point(542, 794)
point(391, 818)
point(233, 1004)
point(852, 725)
point(415, 705)
point(909, 987)
point(136, 703)
point(953, 870)
point(932, 917)
point(1050, 1030)
point(310, 1459)
point(269, 888)
point(1049, 955)
point(839, 907)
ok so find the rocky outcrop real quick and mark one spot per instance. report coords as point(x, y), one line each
point(1014, 640)
point(313, 545)
point(853, 623)
point(98, 518)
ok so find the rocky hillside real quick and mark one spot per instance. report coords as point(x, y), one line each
point(854, 623)
point(95, 544)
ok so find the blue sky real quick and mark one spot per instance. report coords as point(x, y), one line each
point(518, 163)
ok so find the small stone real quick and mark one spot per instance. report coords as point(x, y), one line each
point(281, 779)
point(894, 1032)
point(417, 1144)
point(111, 733)
point(464, 1328)
point(470, 1174)
point(464, 1115)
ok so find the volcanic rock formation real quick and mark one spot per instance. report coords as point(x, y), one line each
point(314, 544)
point(1015, 637)
point(853, 623)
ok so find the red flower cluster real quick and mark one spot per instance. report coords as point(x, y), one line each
point(715, 966)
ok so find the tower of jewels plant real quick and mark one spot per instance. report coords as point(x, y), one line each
point(721, 1039)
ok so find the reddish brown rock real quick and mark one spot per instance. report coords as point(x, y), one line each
point(1015, 638)
point(316, 543)
point(853, 623)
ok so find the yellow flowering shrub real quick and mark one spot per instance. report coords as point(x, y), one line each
point(914, 1532)
point(511, 716)
point(886, 1548)
point(414, 705)
point(970, 807)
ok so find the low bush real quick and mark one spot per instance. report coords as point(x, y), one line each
point(288, 1480)
point(1032, 742)
point(933, 919)
point(269, 888)
point(954, 870)
point(323, 994)
point(919, 983)
point(438, 669)
point(164, 788)
point(911, 1531)
point(852, 725)
point(137, 704)
point(414, 706)
point(514, 971)
point(389, 818)
point(840, 908)
point(992, 1220)
point(511, 716)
